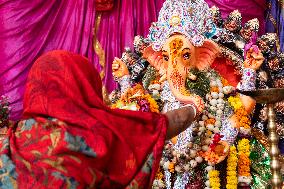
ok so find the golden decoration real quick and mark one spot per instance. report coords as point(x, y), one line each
point(101, 54)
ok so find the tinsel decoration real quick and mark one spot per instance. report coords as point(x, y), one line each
point(150, 75)
point(260, 165)
point(200, 86)
point(4, 111)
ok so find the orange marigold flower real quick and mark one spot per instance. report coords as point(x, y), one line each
point(214, 89)
point(172, 167)
point(224, 82)
point(210, 121)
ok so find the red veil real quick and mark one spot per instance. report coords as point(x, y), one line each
point(88, 144)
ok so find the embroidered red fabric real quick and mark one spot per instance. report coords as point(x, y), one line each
point(104, 5)
point(70, 138)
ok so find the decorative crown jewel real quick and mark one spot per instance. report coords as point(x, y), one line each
point(191, 18)
point(269, 38)
point(253, 24)
point(215, 11)
point(235, 15)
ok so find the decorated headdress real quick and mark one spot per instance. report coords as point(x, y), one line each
point(266, 42)
point(252, 24)
point(235, 15)
point(140, 44)
point(191, 18)
point(216, 16)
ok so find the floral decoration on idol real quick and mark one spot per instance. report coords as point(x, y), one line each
point(171, 69)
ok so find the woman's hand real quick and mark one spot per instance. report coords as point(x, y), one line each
point(119, 68)
point(179, 120)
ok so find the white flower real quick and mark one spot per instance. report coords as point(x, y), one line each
point(210, 127)
point(213, 102)
point(214, 95)
point(166, 165)
point(204, 117)
point(227, 89)
point(207, 183)
point(199, 159)
point(193, 163)
point(219, 112)
point(244, 179)
point(213, 83)
point(221, 95)
point(209, 168)
point(205, 148)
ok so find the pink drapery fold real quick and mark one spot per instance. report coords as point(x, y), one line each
point(30, 28)
point(119, 26)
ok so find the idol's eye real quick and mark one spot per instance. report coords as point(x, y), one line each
point(165, 57)
point(186, 55)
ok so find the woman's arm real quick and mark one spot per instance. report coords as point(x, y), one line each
point(179, 120)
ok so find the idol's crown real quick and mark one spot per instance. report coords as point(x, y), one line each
point(191, 18)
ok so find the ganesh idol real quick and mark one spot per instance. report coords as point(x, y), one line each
point(184, 62)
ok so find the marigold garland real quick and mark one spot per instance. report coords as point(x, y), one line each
point(240, 112)
point(137, 89)
point(244, 161)
point(214, 179)
point(172, 167)
point(159, 174)
point(232, 180)
point(152, 102)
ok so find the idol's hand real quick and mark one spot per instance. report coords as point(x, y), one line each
point(225, 152)
point(254, 59)
point(119, 68)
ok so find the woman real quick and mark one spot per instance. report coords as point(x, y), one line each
point(68, 138)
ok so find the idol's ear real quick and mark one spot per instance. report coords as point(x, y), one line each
point(206, 54)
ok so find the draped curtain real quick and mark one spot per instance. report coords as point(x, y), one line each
point(275, 20)
point(117, 29)
point(30, 28)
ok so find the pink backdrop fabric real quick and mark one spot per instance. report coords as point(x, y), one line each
point(30, 28)
point(119, 26)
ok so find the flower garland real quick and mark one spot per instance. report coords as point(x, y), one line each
point(138, 100)
point(241, 114)
point(158, 182)
point(232, 180)
point(214, 179)
point(244, 175)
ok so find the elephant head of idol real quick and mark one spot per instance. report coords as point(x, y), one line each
point(181, 38)
point(180, 56)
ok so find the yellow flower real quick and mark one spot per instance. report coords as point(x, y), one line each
point(244, 161)
point(152, 103)
point(214, 179)
point(232, 180)
point(159, 175)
